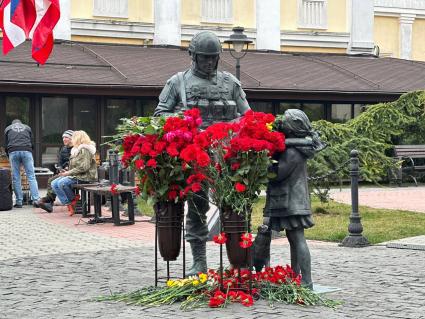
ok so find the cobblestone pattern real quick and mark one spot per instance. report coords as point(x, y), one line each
point(24, 234)
point(57, 272)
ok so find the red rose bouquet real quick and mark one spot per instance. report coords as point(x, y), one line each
point(241, 154)
point(163, 152)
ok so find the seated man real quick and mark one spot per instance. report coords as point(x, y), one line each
point(47, 201)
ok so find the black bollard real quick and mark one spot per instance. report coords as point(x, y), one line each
point(113, 167)
point(355, 228)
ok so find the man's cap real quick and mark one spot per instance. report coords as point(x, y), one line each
point(68, 133)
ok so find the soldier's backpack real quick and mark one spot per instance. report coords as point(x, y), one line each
point(6, 201)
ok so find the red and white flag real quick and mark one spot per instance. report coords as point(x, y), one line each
point(48, 14)
point(36, 19)
point(13, 34)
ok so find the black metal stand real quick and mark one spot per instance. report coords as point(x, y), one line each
point(159, 279)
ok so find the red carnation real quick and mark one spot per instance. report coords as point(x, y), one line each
point(151, 163)
point(240, 187)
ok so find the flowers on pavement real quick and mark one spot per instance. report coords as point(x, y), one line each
point(214, 290)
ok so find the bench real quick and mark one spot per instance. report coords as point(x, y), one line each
point(412, 158)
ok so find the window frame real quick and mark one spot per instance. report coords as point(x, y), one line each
point(99, 10)
point(207, 17)
point(302, 24)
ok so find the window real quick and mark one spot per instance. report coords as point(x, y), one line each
point(54, 121)
point(265, 107)
point(17, 108)
point(85, 116)
point(147, 107)
point(340, 113)
point(117, 109)
point(283, 106)
point(110, 8)
point(216, 11)
point(312, 14)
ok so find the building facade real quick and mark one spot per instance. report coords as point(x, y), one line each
point(394, 28)
point(91, 87)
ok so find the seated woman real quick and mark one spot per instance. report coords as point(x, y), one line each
point(82, 169)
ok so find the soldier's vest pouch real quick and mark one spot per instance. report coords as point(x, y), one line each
point(230, 110)
point(217, 110)
point(203, 105)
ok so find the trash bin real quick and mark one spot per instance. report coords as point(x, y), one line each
point(6, 201)
point(42, 175)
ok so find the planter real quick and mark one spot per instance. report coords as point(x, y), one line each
point(234, 225)
point(169, 222)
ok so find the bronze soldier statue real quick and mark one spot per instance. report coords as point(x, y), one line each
point(220, 98)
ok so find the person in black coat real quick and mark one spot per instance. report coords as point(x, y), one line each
point(46, 202)
point(288, 200)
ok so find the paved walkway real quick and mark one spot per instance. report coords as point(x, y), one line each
point(405, 198)
point(53, 266)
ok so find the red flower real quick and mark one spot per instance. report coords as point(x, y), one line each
point(246, 240)
point(140, 164)
point(215, 302)
point(151, 163)
point(137, 191)
point(114, 190)
point(235, 166)
point(246, 299)
point(240, 187)
point(196, 187)
point(220, 238)
point(172, 195)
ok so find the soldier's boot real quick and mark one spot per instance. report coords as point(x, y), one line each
point(199, 253)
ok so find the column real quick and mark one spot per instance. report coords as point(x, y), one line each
point(62, 29)
point(362, 19)
point(268, 25)
point(406, 27)
point(167, 22)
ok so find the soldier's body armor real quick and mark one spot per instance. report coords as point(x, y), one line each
point(220, 98)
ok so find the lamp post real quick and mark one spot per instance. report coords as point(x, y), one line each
point(240, 42)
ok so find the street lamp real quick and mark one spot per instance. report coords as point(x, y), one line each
point(239, 41)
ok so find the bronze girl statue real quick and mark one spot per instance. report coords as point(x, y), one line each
point(288, 201)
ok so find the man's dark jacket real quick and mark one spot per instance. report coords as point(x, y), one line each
point(18, 137)
point(63, 156)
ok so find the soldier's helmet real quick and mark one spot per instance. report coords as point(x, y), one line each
point(204, 43)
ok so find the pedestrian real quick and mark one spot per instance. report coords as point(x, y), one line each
point(220, 98)
point(47, 201)
point(19, 146)
point(82, 169)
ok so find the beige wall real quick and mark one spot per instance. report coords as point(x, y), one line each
point(312, 49)
point(138, 11)
point(106, 40)
point(288, 15)
point(337, 16)
point(387, 35)
point(418, 40)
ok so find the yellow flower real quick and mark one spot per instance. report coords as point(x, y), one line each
point(203, 277)
point(170, 283)
point(195, 282)
point(269, 126)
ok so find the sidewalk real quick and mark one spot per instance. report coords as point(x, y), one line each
point(51, 266)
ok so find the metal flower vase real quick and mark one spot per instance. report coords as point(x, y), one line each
point(169, 222)
point(234, 225)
